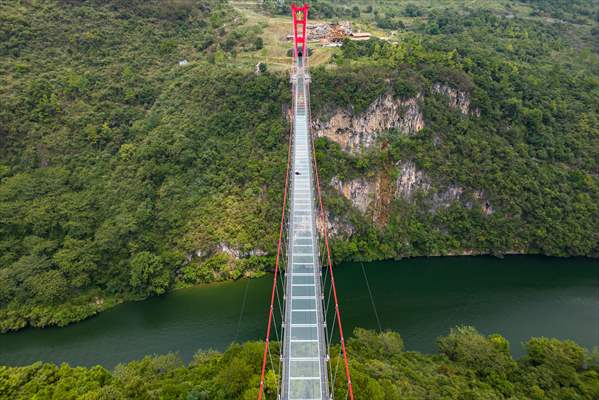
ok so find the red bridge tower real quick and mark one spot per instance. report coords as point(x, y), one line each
point(300, 19)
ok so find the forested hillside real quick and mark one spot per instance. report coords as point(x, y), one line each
point(469, 366)
point(515, 170)
point(138, 153)
point(117, 162)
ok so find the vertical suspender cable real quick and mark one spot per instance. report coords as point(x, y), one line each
point(274, 283)
point(376, 314)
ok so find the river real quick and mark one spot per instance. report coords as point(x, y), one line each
point(422, 298)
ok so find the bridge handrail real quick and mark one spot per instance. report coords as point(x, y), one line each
point(274, 284)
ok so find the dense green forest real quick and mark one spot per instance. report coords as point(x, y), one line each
point(534, 148)
point(117, 163)
point(468, 366)
point(138, 155)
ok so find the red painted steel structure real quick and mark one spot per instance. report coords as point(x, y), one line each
point(323, 220)
point(274, 283)
point(300, 20)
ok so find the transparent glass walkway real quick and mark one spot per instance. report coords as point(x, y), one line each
point(304, 348)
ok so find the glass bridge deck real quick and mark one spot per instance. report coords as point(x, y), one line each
point(304, 349)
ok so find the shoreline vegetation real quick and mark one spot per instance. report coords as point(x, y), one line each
point(468, 365)
point(100, 305)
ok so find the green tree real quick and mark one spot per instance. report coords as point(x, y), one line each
point(412, 10)
point(486, 355)
point(47, 287)
point(148, 274)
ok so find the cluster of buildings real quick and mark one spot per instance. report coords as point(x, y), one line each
point(333, 34)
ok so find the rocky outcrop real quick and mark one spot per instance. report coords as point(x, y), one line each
point(370, 196)
point(360, 192)
point(486, 206)
point(409, 180)
point(355, 132)
point(222, 247)
point(373, 196)
point(336, 226)
point(457, 98)
point(228, 250)
point(237, 253)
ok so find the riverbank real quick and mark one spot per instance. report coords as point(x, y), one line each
point(469, 364)
point(92, 303)
point(86, 306)
point(520, 296)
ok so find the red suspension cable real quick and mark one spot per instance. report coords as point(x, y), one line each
point(326, 242)
point(274, 282)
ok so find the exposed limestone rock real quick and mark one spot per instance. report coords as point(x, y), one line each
point(371, 197)
point(257, 252)
point(230, 251)
point(469, 199)
point(446, 198)
point(237, 253)
point(359, 191)
point(457, 98)
point(409, 180)
point(223, 247)
point(197, 253)
point(355, 132)
point(336, 226)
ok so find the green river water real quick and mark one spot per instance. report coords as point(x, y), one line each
point(422, 298)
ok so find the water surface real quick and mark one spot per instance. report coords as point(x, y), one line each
point(519, 297)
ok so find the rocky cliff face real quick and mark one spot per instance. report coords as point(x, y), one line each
point(355, 132)
point(445, 198)
point(457, 98)
point(409, 180)
point(360, 192)
point(336, 226)
point(370, 196)
point(373, 196)
point(486, 206)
